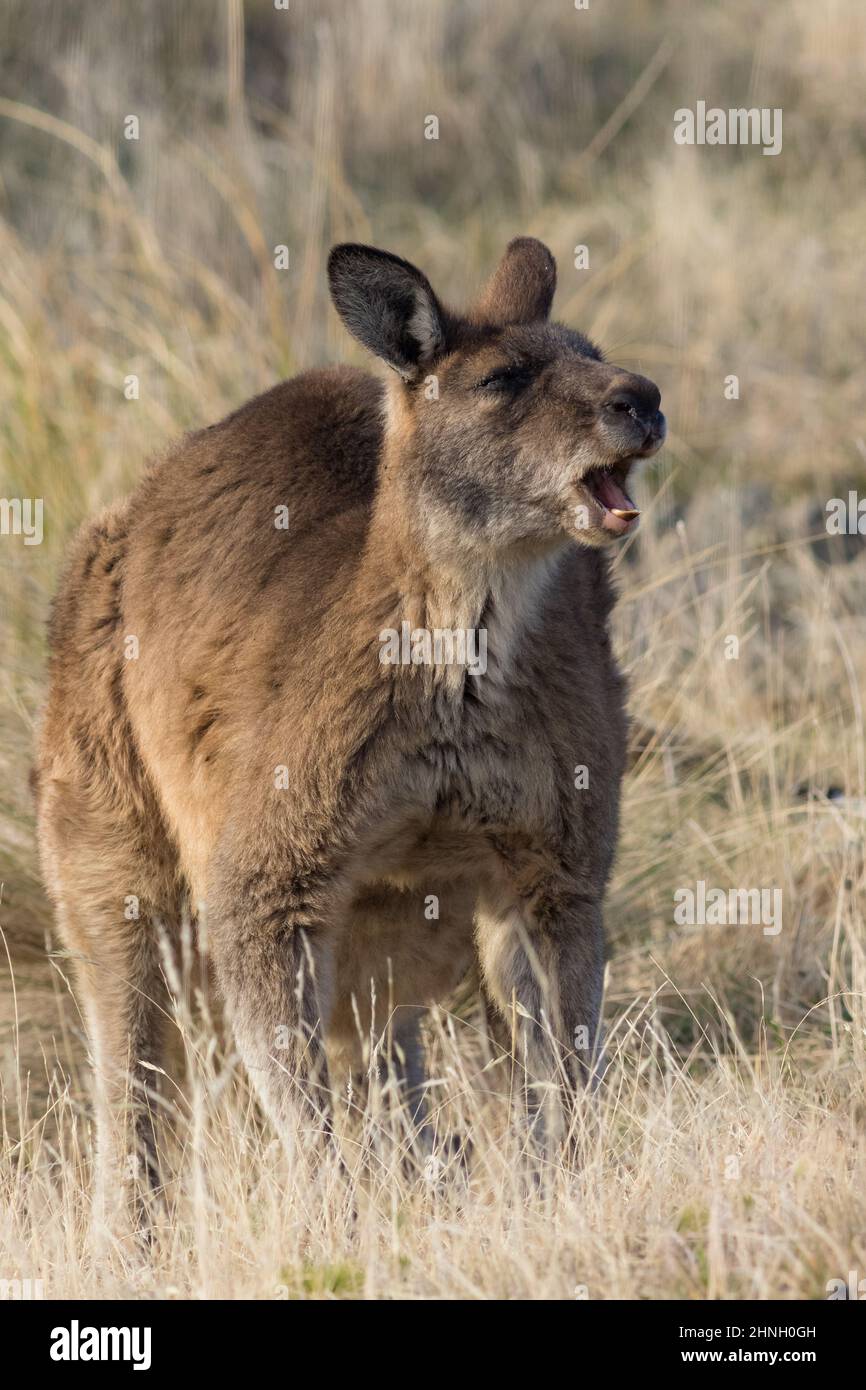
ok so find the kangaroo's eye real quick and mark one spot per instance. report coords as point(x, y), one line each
point(505, 380)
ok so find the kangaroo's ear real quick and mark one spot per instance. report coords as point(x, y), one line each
point(521, 288)
point(388, 306)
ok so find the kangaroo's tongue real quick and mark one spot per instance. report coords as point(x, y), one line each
point(608, 491)
point(619, 512)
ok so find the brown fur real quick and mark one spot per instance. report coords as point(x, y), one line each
point(258, 649)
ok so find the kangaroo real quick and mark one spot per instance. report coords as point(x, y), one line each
point(251, 719)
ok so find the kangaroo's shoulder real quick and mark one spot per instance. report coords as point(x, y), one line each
point(256, 502)
point(316, 436)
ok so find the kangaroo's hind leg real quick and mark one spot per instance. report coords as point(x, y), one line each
point(115, 888)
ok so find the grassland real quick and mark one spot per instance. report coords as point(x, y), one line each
point(725, 1155)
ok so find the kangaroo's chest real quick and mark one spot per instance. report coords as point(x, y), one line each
point(490, 759)
point(486, 754)
point(470, 784)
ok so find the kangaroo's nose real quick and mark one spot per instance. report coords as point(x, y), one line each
point(635, 396)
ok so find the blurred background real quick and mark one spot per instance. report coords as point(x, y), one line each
point(261, 128)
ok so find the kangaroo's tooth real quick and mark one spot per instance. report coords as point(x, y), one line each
point(627, 515)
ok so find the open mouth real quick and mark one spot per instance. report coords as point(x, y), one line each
point(606, 488)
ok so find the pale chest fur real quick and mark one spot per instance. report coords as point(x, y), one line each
point(482, 751)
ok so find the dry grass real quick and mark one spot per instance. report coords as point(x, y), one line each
point(721, 1172)
point(724, 1156)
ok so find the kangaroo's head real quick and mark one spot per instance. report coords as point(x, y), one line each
point(509, 429)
